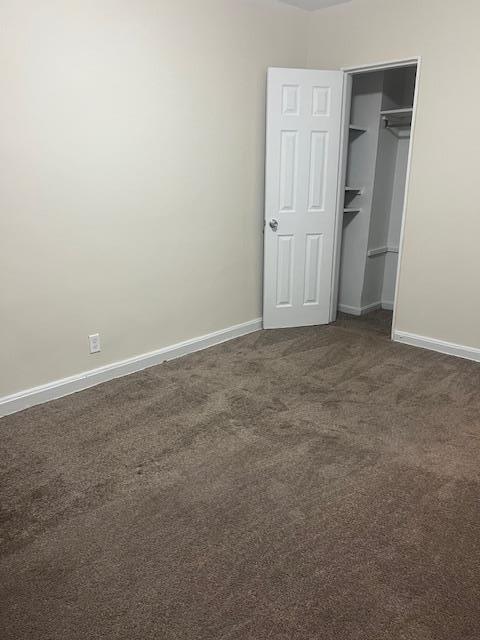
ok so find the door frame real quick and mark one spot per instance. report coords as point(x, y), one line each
point(349, 72)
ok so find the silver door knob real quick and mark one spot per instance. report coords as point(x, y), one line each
point(273, 224)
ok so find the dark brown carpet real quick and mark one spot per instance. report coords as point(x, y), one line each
point(296, 484)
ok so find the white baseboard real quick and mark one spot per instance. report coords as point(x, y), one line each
point(359, 311)
point(66, 386)
point(451, 349)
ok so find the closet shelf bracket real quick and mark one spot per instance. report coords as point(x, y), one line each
point(381, 250)
point(355, 129)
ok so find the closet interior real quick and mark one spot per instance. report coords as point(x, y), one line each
point(375, 179)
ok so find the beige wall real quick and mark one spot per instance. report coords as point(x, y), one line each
point(132, 142)
point(132, 168)
point(440, 278)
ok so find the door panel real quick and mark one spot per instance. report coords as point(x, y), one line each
point(285, 254)
point(288, 171)
point(313, 264)
point(302, 167)
point(318, 171)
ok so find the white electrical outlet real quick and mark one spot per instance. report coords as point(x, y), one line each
point(94, 341)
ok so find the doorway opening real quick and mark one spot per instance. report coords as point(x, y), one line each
point(336, 177)
point(379, 106)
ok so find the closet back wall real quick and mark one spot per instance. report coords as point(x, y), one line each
point(439, 291)
point(132, 140)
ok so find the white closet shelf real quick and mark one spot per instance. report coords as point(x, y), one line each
point(397, 112)
point(397, 118)
point(353, 189)
point(354, 127)
point(351, 210)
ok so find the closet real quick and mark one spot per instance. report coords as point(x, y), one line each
point(375, 178)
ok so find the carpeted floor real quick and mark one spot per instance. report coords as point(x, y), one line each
point(318, 483)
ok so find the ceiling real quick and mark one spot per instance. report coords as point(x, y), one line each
point(313, 5)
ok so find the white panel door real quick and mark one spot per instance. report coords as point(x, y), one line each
point(302, 172)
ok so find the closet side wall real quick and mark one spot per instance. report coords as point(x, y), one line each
point(396, 212)
point(380, 217)
point(388, 191)
point(365, 110)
